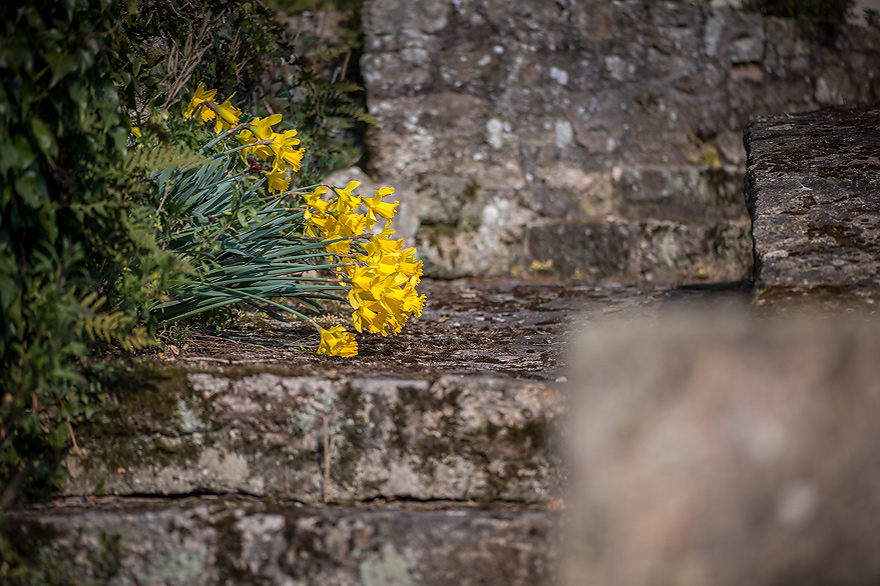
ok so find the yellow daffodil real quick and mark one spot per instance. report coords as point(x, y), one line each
point(345, 201)
point(278, 181)
point(413, 302)
point(280, 146)
point(284, 150)
point(261, 130)
point(364, 316)
point(321, 225)
point(229, 115)
point(409, 266)
point(382, 282)
point(353, 224)
point(362, 279)
point(317, 220)
point(335, 246)
point(314, 199)
point(381, 244)
point(293, 158)
point(376, 207)
point(337, 342)
point(385, 264)
point(200, 97)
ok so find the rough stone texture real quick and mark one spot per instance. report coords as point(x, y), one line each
point(314, 439)
point(710, 448)
point(500, 115)
point(461, 410)
point(452, 476)
point(813, 191)
point(662, 251)
point(211, 542)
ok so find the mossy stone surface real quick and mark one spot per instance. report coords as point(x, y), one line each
point(314, 439)
point(813, 193)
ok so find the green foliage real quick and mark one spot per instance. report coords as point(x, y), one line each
point(143, 160)
point(243, 246)
point(67, 229)
point(822, 10)
point(330, 120)
point(100, 241)
point(321, 91)
point(112, 326)
point(238, 47)
point(227, 44)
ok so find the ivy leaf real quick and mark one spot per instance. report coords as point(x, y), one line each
point(47, 221)
point(30, 188)
point(10, 455)
point(136, 62)
point(61, 64)
point(16, 154)
point(223, 33)
point(58, 436)
point(79, 96)
point(45, 138)
point(8, 291)
point(119, 136)
point(14, 313)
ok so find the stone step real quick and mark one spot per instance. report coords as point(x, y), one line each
point(814, 198)
point(654, 222)
point(315, 439)
point(694, 193)
point(467, 415)
point(648, 250)
point(277, 466)
point(233, 541)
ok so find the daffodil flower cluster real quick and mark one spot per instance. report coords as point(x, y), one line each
point(380, 273)
point(383, 275)
point(264, 143)
point(282, 147)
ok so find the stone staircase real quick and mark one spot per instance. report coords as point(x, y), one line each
point(434, 458)
point(658, 223)
point(436, 461)
point(236, 540)
point(589, 140)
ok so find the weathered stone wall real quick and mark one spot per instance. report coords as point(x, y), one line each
point(502, 120)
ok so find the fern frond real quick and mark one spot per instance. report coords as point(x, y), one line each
point(160, 158)
point(96, 210)
point(111, 326)
point(345, 86)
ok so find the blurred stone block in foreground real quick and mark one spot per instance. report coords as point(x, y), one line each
point(721, 450)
